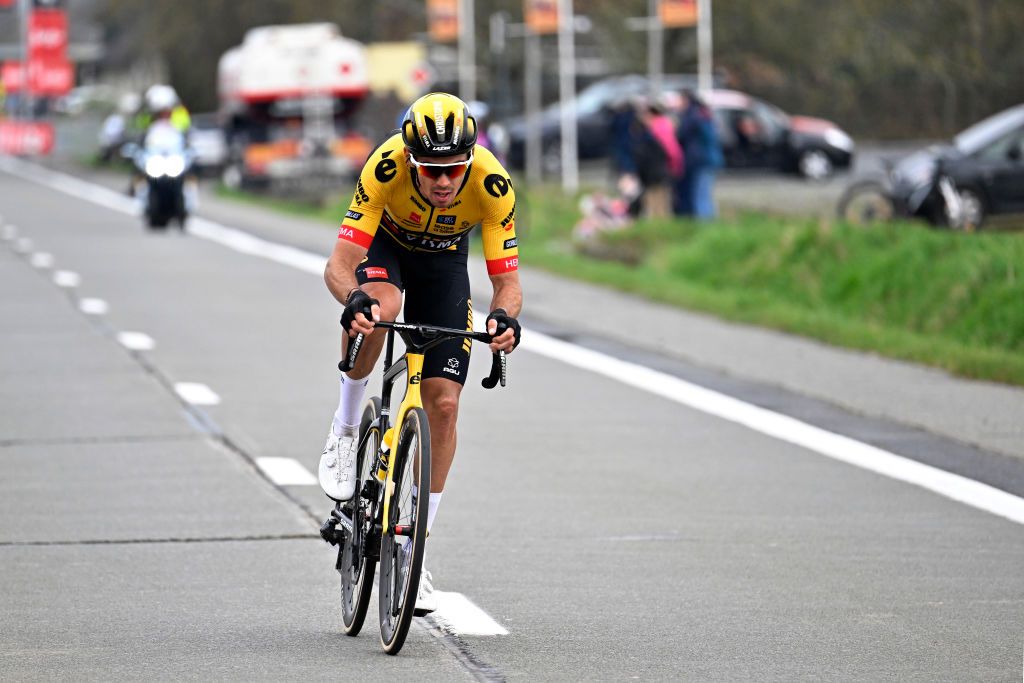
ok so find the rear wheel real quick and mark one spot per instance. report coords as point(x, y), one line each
point(355, 568)
point(402, 547)
point(866, 203)
point(815, 164)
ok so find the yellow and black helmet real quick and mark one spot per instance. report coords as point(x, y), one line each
point(438, 124)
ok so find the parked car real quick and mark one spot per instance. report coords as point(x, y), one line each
point(208, 141)
point(756, 134)
point(594, 111)
point(985, 164)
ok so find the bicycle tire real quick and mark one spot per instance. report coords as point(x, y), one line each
point(355, 568)
point(400, 569)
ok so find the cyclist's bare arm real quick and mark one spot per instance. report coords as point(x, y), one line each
point(340, 276)
point(508, 294)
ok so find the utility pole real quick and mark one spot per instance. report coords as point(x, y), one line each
point(467, 51)
point(655, 48)
point(26, 94)
point(705, 55)
point(567, 95)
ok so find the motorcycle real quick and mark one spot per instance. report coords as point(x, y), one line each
point(164, 187)
point(916, 187)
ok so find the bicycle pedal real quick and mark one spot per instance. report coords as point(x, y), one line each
point(329, 532)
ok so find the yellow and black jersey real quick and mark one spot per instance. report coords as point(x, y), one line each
point(387, 197)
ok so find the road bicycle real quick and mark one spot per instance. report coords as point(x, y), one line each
point(386, 521)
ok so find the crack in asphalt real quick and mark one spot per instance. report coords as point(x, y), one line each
point(168, 539)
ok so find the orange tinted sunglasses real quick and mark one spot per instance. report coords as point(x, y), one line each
point(435, 171)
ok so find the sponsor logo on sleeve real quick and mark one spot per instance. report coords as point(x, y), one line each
point(386, 170)
point(377, 273)
point(497, 185)
point(512, 243)
point(354, 215)
point(360, 194)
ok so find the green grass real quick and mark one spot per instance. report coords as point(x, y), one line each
point(951, 300)
point(955, 301)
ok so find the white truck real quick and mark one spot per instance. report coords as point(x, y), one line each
point(287, 95)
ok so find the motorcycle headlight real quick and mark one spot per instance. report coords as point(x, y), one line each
point(155, 166)
point(174, 165)
point(839, 139)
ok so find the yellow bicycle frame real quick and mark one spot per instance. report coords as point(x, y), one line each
point(412, 399)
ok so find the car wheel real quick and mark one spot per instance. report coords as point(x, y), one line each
point(973, 208)
point(815, 164)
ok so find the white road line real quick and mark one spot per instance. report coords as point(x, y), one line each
point(22, 245)
point(8, 232)
point(197, 394)
point(286, 471)
point(67, 278)
point(42, 259)
point(136, 341)
point(457, 613)
point(829, 444)
point(92, 306)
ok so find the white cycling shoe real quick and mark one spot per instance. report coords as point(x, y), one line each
point(426, 598)
point(337, 472)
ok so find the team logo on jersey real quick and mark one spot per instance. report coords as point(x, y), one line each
point(497, 185)
point(446, 220)
point(415, 217)
point(417, 202)
point(354, 215)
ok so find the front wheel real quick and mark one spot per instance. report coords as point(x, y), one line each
point(355, 567)
point(402, 546)
point(815, 164)
point(866, 203)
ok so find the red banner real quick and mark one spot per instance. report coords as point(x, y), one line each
point(46, 78)
point(541, 15)
point(47, 34)
point(4, 4)
point(25, 138)
point(677, 13)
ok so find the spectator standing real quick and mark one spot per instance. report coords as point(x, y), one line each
point(694, 190)
point(659, 160)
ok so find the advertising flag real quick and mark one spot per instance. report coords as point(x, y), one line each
point(541, 15)
point(677, 13)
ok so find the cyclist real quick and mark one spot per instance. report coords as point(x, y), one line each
point(416, 200)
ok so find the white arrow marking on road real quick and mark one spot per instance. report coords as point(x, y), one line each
point(953, 486)
point(286, 471)
point(136, 341)
point(93, 306)
point(197, 394)
point(67, 278)
point(42, 259)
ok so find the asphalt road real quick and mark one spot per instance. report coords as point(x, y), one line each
point(613, 532)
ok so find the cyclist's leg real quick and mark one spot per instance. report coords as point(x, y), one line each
point(437, 292)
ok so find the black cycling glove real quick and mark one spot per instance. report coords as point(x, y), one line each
point(358, 302)
point(505, 321)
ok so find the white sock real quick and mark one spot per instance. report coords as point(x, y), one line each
point(350, 404)
point(432, 504)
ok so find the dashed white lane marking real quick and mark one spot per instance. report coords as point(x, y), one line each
point(67, 278)
point(197, 394)
point(136, 341)
point(8, 232)
point(41, 259)
point(93, 306)
point(286, 471)
point(829, 444)
point(22, 245)
point(457, 613)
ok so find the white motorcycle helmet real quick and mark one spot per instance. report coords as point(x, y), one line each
point(161, 98)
